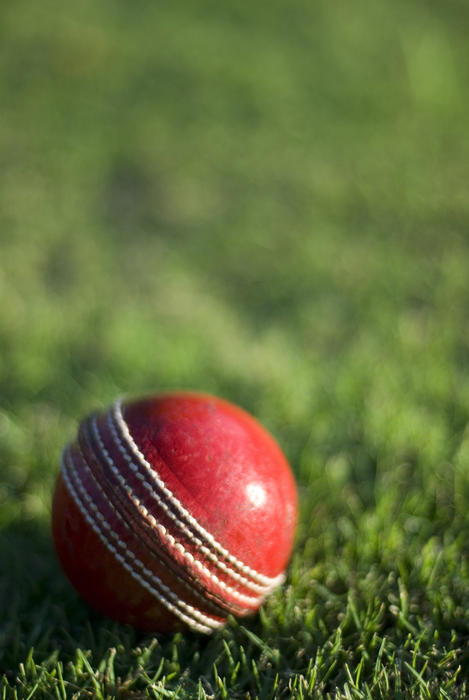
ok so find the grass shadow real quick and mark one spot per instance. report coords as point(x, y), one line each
point(40, 609)
point(43, 616)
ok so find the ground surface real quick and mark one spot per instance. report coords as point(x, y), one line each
point(268, 202)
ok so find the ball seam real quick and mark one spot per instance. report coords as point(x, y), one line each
point(171, 540)
point(207, 595)
point(206, 624)
point(133, 450)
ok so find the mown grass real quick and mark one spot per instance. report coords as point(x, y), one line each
point(266, 202)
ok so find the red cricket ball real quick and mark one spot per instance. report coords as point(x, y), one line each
point(174, 511)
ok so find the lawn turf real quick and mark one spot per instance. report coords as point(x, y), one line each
point(266, 201)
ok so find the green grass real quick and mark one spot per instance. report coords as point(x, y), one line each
point(268, 202)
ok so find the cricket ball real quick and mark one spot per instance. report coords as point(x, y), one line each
point(174, 511)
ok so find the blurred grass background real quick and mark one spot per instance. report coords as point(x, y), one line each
point(268, 202)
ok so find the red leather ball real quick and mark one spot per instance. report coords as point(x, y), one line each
point(174, 511)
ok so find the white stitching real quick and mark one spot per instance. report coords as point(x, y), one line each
point(161, 528)
point(104, 539)
point(116, 411)
point(119, 515)
point(249, 600)
point(209, 623)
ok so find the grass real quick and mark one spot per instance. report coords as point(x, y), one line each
point(268, 203)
